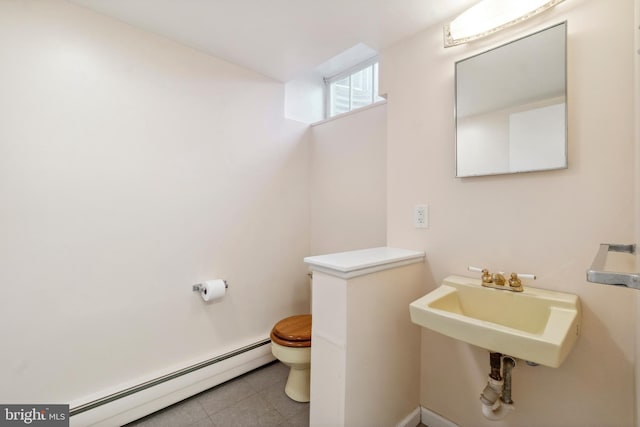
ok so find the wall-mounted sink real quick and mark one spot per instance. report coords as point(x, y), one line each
point(536, 325)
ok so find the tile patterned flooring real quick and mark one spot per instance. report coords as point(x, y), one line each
point(254, 399)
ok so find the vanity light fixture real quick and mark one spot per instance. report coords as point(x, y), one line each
point(490, 16)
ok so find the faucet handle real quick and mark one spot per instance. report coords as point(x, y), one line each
point(514, 281)
point(526, 276)
point(486, 276)
point(516, 284)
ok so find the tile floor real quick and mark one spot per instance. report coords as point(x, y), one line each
point(253, 399)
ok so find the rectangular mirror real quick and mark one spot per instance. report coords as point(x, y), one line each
point(511, 110)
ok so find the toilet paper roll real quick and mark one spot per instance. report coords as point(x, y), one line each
point(213, 290)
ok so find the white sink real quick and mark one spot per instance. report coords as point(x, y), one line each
point(536, 325)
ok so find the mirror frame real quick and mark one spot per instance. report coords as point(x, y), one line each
point(566, 106)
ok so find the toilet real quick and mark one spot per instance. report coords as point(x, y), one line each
point(291, 344)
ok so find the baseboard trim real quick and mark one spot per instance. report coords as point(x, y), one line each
point(431, 419)
point(411, 420)
point(149, 400)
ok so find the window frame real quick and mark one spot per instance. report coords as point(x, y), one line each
point(348, 73)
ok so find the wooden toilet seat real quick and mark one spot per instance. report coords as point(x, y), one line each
point(294, 331)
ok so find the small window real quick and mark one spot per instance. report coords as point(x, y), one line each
point(353, 89)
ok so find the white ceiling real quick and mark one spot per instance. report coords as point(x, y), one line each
point(281, 39)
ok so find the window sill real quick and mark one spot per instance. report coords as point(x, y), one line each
point(348, 113)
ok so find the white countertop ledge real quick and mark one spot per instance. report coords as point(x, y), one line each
point(351, 264)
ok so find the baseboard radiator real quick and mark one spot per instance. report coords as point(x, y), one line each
point(129, 404)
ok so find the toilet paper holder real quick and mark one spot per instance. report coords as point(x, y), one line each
point(198, 286)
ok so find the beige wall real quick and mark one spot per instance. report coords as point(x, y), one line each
point(382, 387)
point(130, 169)
point(348, 182)
point(366, 351)
point(548, 223)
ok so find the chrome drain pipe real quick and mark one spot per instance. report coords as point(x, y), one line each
point(496, 396)
point(508, 363)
